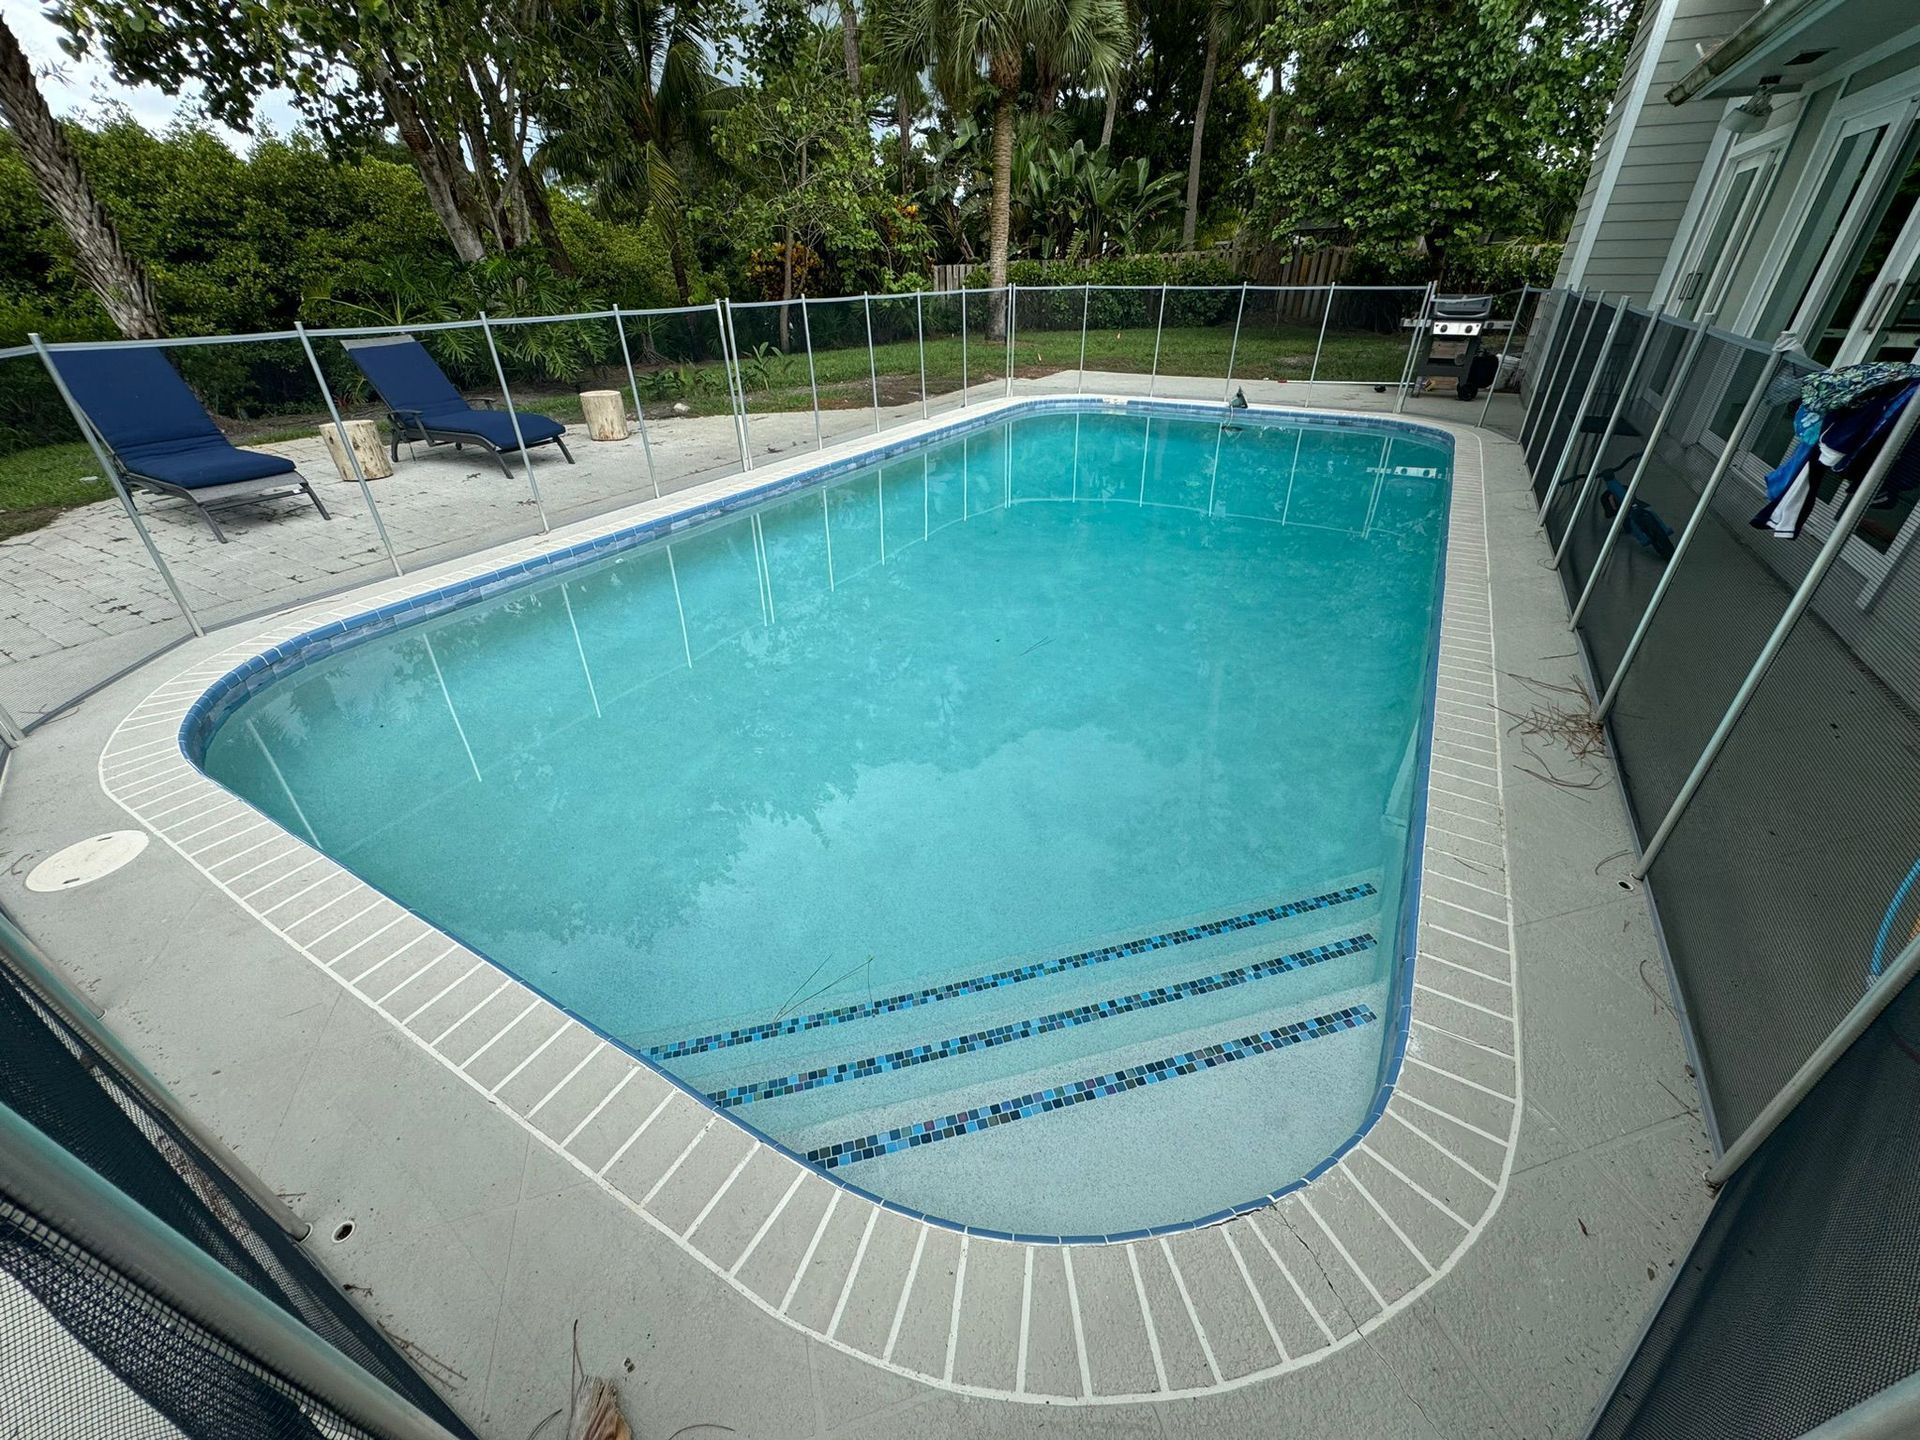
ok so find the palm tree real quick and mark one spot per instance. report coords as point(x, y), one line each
point(644, 93)
point(1229, 22)
point(103, 262)
point(957, 37)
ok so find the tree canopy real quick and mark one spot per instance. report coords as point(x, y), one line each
point(666, 150)
point(1426, 125)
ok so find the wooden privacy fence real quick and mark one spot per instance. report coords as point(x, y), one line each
point(1319, 267)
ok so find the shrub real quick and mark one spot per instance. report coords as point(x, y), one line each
point(1118, 309)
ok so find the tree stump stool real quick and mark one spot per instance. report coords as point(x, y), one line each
point(364, 437)
point(605, 414)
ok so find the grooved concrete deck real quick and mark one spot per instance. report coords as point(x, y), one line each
point(1475, 1265)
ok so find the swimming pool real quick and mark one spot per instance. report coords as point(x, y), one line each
point(1018, 829)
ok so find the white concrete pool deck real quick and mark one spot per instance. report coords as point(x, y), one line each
point(1475, 1267)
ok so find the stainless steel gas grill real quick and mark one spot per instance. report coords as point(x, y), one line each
point(1455, 329)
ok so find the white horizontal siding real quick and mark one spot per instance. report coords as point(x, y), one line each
point(1626, 244)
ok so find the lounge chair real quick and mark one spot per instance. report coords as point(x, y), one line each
point(422, 405)
point(161, 438)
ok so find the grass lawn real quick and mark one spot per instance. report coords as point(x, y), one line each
point(36, 485)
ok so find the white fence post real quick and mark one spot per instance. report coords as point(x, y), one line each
point(1313, 375)
point(1080, 376)
point(920, 329)
point(736, 381)
point(1519, 309)
point(813, 384)
point(639, 412)
point(513, 416)
point(346, 447)
point(1159, 327)
point(965, 399)
point(1233, 350)
point(1013, 305)
point(1421, 322)
point(1572, 441)
point(112, 477)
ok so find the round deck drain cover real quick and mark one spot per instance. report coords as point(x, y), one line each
point(87, 860)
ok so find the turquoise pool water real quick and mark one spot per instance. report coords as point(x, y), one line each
point(1017, 828)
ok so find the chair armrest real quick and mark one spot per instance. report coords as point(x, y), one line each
point(485, 402)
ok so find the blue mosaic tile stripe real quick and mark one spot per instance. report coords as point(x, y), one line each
point(1079, 1092)
point(1018, 974)
point(1088, 1014)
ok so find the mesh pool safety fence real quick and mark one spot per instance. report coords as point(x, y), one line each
point(1762, 696)
point(1785, 871)
point(93, 1348)
point(1796, 1302)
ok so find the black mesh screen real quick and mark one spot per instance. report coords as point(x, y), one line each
point(53, 1079)
point(1791, 880)
point(1590, 422)
point(1787, 870)
point(1797, 1301)
point(1584, 367)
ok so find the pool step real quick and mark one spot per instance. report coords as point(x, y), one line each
point(1031, 1027)
point(864, 1025)
point(1263, 1099)
point(1040, 1103)
point(1225, 995)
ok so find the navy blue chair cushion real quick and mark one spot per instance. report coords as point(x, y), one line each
point(153, 422)
point(496, 427)
point(412, 384)
point(407, 378)
point(197, 469)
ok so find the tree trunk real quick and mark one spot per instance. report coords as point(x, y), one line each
point(677, 258)
point(1113, 113)
point(112, 274)
point(850, 45)
point(1191, 223)
point(1046, 86)
point(906, 145)
point(441, 184)
point(486, 185)
point(786, 293)
point(1273, 110)
point(1006, 79)
point(533, 199)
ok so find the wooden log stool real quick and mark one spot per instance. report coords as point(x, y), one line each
point(364, 437)
point(605, 414)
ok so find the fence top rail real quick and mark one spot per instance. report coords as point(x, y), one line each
point(169, 342)
point(351, 332)
point(626, 314)
point(619, 313)
point(549, 319)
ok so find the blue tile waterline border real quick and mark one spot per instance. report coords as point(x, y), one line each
point(1080, 1092)
point(1013, 975)
point(290, 654)
point(1015, 1030)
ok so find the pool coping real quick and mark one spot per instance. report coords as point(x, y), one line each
point(147, 769)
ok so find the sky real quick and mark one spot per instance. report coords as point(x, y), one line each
point(77, 86)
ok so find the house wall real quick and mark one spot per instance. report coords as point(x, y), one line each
point(1651, 155)
point(1652, 175)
